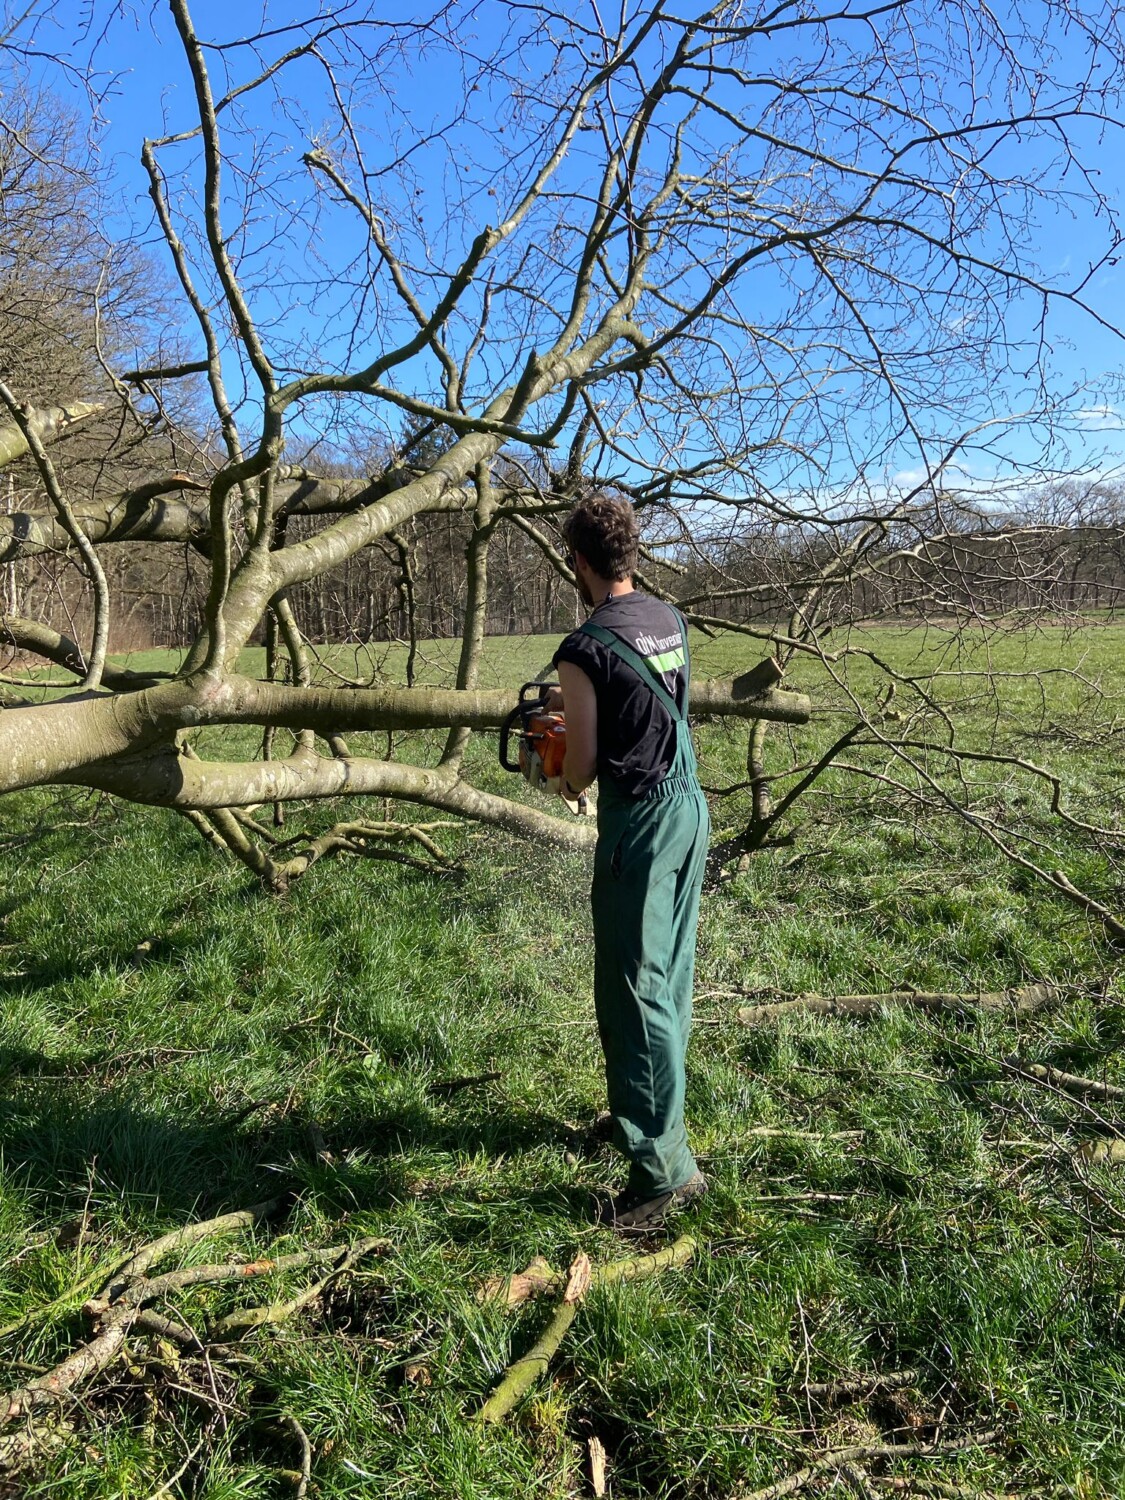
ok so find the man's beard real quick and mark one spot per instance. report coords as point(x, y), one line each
point(584, 591)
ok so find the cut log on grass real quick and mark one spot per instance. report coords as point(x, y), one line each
point(1014, 1001)
point(522, 1375)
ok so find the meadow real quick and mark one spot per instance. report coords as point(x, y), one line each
point(910, 1243)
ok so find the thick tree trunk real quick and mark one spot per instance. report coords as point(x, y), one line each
point(44, 743)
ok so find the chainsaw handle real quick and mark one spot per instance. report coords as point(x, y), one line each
point(505, 733)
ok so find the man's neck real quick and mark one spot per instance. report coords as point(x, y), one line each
point(605, 589)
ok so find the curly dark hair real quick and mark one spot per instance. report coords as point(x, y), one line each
point(604, 530)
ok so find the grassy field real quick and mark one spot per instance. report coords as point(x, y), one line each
point(173, 1044)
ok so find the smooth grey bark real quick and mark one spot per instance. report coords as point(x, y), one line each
point(41, 743)
point(46, 423)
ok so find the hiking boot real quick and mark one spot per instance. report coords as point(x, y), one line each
point(631, 1213)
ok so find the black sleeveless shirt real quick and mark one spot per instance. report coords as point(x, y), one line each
point(636, 733)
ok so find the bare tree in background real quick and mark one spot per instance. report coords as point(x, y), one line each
point(740, 263)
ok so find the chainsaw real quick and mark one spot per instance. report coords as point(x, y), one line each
point(542, 745)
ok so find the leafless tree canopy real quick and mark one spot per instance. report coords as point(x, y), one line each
point(772, 271)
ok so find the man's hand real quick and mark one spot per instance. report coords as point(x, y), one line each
point(553, 702)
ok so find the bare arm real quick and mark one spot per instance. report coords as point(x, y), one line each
point(581, 706)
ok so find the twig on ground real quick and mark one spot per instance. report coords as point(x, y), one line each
point(190, 1234)
point(302, 1437)
point(837, 1458)
point(1015, 1001)
point(861, 1385)
point(784, 1132)
point(278, 1312)
point(155, 1287)
point(522, 1375)
point(137, 1263)
point(938, 1489)
point(129, 1309)
point(173, 1479)
point(166, 1328)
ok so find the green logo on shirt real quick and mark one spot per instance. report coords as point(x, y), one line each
point(662, 653)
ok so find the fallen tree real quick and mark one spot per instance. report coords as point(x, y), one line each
point(578, 305)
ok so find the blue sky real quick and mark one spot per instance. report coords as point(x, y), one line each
point(150, 92)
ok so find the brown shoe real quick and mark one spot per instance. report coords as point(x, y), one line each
point(632, 1214)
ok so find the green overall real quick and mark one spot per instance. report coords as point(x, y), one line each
point(648, 871)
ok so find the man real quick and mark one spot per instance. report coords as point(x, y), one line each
point(624, 679)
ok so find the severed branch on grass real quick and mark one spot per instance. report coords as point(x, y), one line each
point(536, 1280)
point(1013, 1001)
point(1070, 1083)
point(149, 1255)
point(522, 1375)
point(926, 1488)
point(234, 832)
point(305, 1472)
point(787, 1133)
point(125, 1304)
point(344, 1257)
point(840, 1458)
point(849, 1387)
point(157, 1250)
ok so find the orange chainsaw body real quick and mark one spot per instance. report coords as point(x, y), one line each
point(542, 745)
point(544, 735)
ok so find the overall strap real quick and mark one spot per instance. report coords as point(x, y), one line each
point(683, 636)
point(637, 662)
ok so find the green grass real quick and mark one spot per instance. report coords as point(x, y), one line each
point(953, 1235)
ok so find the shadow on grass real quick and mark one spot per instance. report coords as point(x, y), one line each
point(418, 1154)
point(176, 946)
point(56, 1143)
